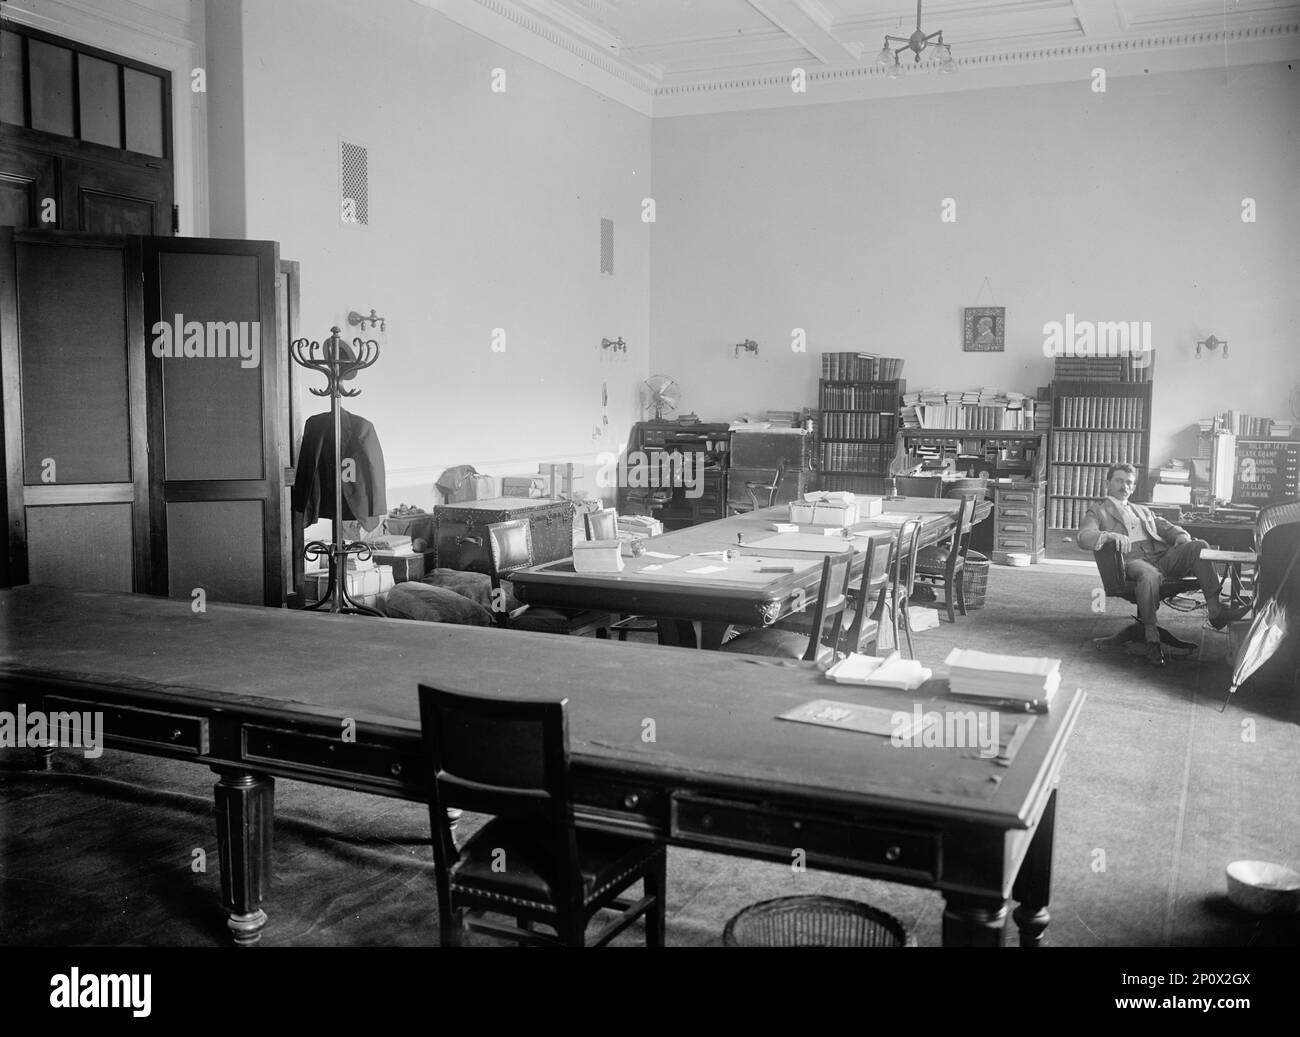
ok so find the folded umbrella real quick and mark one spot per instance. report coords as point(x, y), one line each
point(1264, 637)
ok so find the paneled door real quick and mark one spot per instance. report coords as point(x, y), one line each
point(213, 369)
point(144, 423)
point(76, 460)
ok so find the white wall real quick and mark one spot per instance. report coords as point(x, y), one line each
point(1119, 206)
point(485, 213)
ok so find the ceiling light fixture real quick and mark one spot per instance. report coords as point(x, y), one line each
point(916, 43)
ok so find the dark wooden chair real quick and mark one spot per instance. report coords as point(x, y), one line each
point(945, 563)
point(919, 486)
point(603, 525)
point(1111, 568)
point(510, 759)
point(782, 642)
point(511, 546)
point(763, 495)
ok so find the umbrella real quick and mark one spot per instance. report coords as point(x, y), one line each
point(1264, 637)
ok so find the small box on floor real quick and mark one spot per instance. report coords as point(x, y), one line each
point(406, 565)
point(364, 586)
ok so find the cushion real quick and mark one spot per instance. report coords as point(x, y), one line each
point(475, 586)
point(433, 605)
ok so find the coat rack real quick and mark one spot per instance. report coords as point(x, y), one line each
point(338, 362)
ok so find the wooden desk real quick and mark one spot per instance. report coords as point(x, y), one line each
point(262, 693)
point(720, 601)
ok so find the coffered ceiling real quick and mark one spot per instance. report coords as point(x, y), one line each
point(669, 57)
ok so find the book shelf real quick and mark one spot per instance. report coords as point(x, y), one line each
point(1094, 424)
point(858, 433)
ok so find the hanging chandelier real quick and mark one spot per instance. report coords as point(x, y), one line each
point(917, 43)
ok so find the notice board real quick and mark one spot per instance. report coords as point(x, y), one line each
point(1266, 470)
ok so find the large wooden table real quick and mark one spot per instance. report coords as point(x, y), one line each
point(729, 597)
point(257, 694)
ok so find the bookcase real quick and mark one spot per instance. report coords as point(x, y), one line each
point(859, 426)
point(1094, 424)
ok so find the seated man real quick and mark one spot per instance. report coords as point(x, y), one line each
point(1153, 550)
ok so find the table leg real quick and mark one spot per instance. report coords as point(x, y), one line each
point(973, 921)
point(245, 817)
point(679, 633)
point(1033, 886)
point(711, 635)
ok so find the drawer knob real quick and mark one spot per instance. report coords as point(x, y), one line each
point(396, 770)
point(893, 853)
point(797, 825)
point(631, 800)
point(176, 734)
point(706, 821)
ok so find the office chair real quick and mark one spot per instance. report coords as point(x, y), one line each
point(945, 563)
point(511, 545)
point(866, 601)
point(603, 525)
point(1117, 585)
point(763, 495)
point(832, 600)
point(919, 486)
point(510, 758)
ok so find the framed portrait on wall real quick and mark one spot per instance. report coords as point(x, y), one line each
point(984, 329)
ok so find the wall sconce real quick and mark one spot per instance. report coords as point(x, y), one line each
point(374, 320)
point(748, 346)
point(617, 345)
point(1211, 344)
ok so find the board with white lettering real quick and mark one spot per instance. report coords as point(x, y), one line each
point(1267, 470)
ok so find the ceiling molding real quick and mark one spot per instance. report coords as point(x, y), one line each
point(719, 73)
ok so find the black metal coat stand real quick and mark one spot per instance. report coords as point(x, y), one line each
point(332, 359)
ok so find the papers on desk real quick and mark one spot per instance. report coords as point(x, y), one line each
point(889, 671)
point(1018, 681)
point(870, 720)
point(814, 543)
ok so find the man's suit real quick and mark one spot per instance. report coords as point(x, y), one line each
point(1169, 553)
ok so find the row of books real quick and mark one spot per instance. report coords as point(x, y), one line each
point(1065, 514)
point(1244, 425)
point(857, 457)
point(972, 417)
point(864, 425)
point(861, 367)
point(1106, 368)
point(1101, 411)
point(859, 397)
point(1075, 481)
point(854, 483)
point(1097, 447)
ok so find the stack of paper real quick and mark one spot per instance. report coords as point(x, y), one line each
point(891, 671)
point(1025, 680)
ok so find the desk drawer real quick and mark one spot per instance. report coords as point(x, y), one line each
point(1015, 497)
point(739, 826)
point(1014, 543)
point(329, 754)
point(635, 802)
point(147, 728)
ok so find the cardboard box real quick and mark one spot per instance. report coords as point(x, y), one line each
point(825, 509)
point(640, 525)
point(406, 565)
point(525, 486)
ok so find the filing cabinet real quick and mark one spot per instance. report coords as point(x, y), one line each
point(1019, 520)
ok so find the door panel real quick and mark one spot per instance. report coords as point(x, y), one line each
point(74, 438)
point(105, 198)
point(81, 546)
point(27, 179)
point(215, 418)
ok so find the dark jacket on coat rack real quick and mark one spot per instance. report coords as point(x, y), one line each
point(313, 486)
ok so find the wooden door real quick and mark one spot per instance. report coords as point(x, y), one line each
point(216, 469)
point(104, 197)
point(76, 468)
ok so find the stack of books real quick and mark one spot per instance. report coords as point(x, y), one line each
point(1011, 681)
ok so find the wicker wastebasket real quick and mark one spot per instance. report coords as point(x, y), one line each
point(815, 922)
point(975, 579)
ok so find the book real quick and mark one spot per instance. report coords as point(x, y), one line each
point(1030, 681)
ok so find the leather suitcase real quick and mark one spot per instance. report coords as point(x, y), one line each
point(461, 537)
point(769, 449)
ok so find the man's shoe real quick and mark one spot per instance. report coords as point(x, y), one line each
point(1228, 615)
point(1155, 654)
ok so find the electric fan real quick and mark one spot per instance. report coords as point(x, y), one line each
point(660, 393)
